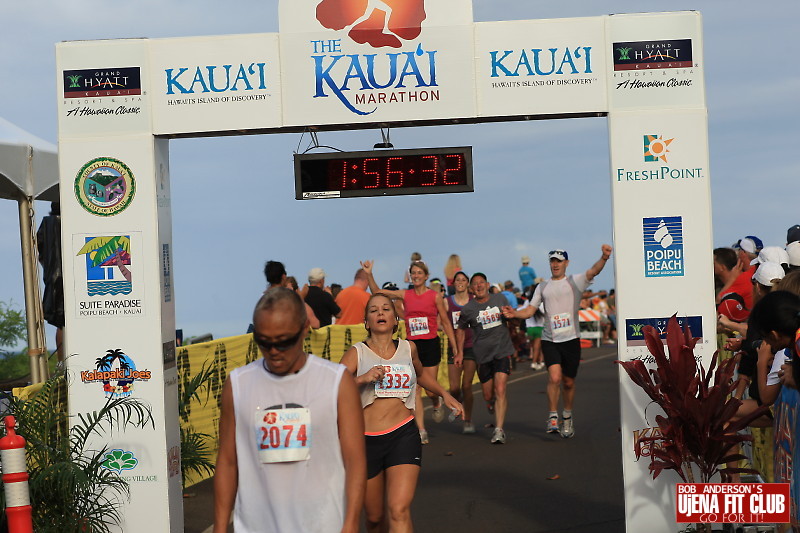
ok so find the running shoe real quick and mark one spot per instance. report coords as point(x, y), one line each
point(423, 436)
point(540, 366)
point(469, 428)
point(490, 406)
point(499, 436)
point(534, 366)
point(552, 424)
point(567, 428)
point(438, 413)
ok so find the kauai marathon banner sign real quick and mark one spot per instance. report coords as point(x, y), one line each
point(359, 61)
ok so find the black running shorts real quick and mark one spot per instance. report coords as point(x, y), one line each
point(486, 371)
point(567, 354)
point(400, 446)
point(429, 351)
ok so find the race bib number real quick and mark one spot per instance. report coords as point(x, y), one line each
point(396, 382)
point(456, 316)
point(283, 435)
point(490, 317)
point(561, 325)
point(418, 325)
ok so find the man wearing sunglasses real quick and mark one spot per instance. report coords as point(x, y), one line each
point(291, 451)
point(561, 295)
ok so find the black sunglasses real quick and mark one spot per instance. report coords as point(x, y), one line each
point(281, 346)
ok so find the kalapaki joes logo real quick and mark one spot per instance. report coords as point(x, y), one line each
point(378, 23)
point(105, 186)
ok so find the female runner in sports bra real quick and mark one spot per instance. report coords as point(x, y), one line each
point(387, 372)
point(424, 310)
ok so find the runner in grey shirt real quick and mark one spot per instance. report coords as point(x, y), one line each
point(561, 346)
point(492, 347)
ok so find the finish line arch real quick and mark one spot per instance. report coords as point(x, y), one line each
point(121, 101)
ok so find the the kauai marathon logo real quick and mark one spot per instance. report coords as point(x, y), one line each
point(105, 186)
point(643, 55)
point(391, 77)
point(557, 66)
point(117, 372)
point(663, 246)
point(656, 149)
point(98, 83)
point(634, 328)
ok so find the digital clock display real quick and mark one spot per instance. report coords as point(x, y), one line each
point(383, 173)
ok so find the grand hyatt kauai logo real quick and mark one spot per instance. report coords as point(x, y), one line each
point(663, 246)
point(378, 23)
point(634, 328)
point(94, 83)
point(645, 55)
point(105, 186)
point(117, 372)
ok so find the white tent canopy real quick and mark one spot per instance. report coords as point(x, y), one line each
point(29, 171)
point(28, 165)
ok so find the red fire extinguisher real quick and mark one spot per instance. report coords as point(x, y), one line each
point(15, 480)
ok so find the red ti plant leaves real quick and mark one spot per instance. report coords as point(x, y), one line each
point(697, 404)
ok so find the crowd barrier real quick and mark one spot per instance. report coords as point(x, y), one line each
point(330, 342)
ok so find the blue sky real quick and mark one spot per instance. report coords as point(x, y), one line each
point(538, 185)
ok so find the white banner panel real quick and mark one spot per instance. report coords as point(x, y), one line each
point(102, 87)
point(663, 242)
point(412, 63)
point(657, 60)
point(540, 67)
point(114, 321)
point(222, 83)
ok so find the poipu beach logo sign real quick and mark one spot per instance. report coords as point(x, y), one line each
point(405, 76)
point(105, 186)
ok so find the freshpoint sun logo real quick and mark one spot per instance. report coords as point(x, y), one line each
point(656, 148)
point(378, 23)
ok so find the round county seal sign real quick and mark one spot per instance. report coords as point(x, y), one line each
point(105, 186)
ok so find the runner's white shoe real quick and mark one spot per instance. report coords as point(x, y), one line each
point(438, 414)
point(567, 428)
point(552, 425)
point(469, 428)
point(423, 436)
point(499, 436)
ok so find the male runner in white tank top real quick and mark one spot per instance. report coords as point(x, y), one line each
point(291, 452)
point(561, 347)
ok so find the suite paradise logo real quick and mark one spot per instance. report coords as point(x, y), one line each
point(378, 23)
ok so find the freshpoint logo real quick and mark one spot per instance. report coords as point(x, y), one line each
point(663, 246)
point(657, 149)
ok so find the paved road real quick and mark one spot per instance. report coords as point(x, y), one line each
point(468, 485)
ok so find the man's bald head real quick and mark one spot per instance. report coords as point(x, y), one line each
point(281, 299)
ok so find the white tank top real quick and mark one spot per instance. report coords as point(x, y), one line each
point(300, 496)
point(400, 380)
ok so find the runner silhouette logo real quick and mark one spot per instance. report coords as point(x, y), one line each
point(378, 23)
